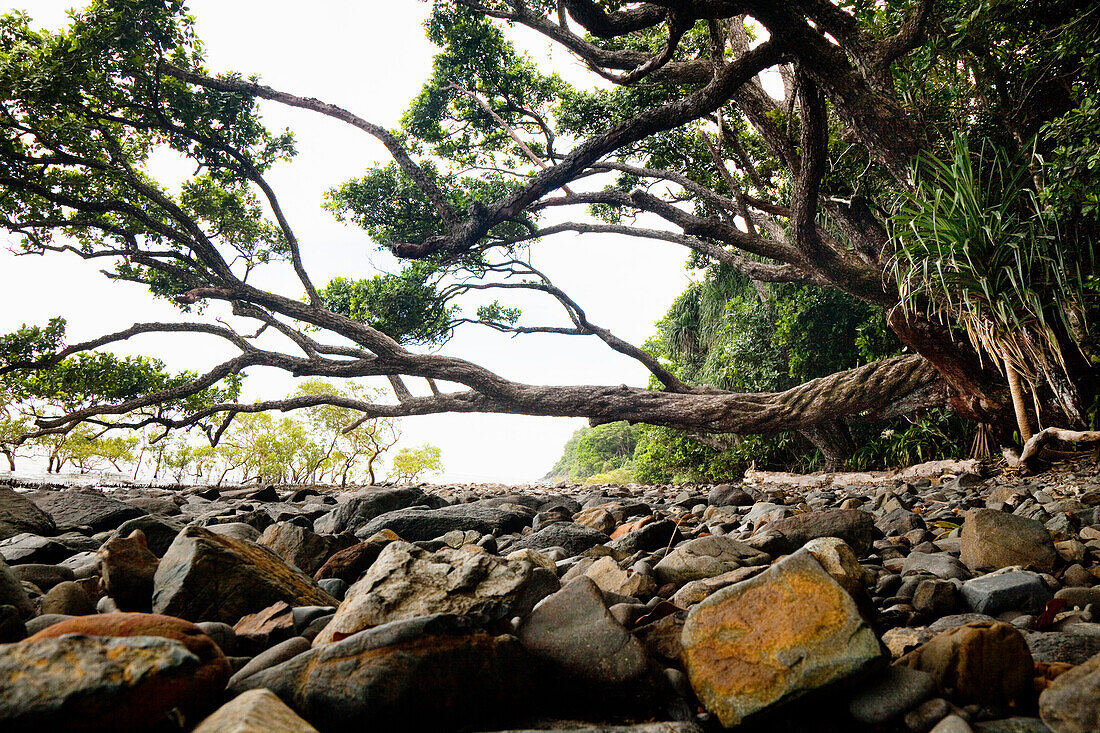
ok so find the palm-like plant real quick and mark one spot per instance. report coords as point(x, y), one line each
point(974, 249)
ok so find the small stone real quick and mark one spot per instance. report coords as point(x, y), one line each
point(301, 547)
point(607, 574)
point(25, 548)
point(159, 530)
point(573, 538)
point(1079, 597)
point(840, 561)
point(904, 639)
point(12, 592)
point(573, 629)
point(1012, 725)
point(941, 564)
point(935, 597)
point(997, 593)
point(728, 495)
point(891, 695)
point(277, 654)
point(952, 724)
point(925, 716)
point(596, 518)
point(1072, 702)
point(697, 590)
point(778, 635)
point(259, 630)
point(854, 526)
point(254, 711)
point(350, 564)
point(67, 598)
point(12, 627)
point(992, 540)
point(987, 663)
point(43, 576)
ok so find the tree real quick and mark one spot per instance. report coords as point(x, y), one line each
point(794, 187)
point(410, 463)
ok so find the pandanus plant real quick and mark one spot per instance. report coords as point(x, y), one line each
point(974, 249)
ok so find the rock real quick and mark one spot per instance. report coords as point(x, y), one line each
point(952, 724)
point(12, 592)
point(12, 627)
point(155, 505)
point(1011, 725)
point(841, 562)
point(159, 531)
point(67, 598)
point(898, 690)
point(42, 576)
point(19, 515)
point(236, 530)
point(209, 577)
point(84, 508)
point(254, 711)
point(992, 540)
point(729, 495)
point(1072, 702)
point(986, 663)
point(277, 654)
point(274, 624)
point(707, 557)
point(29, 548)
point(573, 538)
point(302, 548)
point(1057, 646)
point(365, 505)
point(406, 581)
point(997, 593)
point(573, 629)
point(44, 621)
point(1079, 597)
point(904, 639)
point(221, 634)
point(941, 564)
point(697, 590)
point(935, 597)
point(415, 525)
point(898, 522)
point(607, 574)
point(648, 537)
point(774, 637)
point(93, 684)
point(127, 567)
point(349, 564)
point(426, 673)
point(596, 518)
point(854, 526)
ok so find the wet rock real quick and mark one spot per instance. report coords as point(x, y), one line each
point(254, 711)
point(573, 629)
point(427, 673)
point(92, 683)
point(84, 508)
point(893, 693)
point(209, 577)
point(997, 593)
point(301, 547)
point(707, 557)
point(789, 630)
point(1072, 702)
point(986, 663)
point(20, 515)
point(415, 525)
point(854, 526)
point(127, 567)
point(406, 581)
point(12, 592)
point(992, 540)
point(573, 538)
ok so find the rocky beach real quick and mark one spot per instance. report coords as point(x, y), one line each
point(941, 600)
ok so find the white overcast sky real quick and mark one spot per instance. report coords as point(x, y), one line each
point(372, 58)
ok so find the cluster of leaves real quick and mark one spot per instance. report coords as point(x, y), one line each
point(410, 464)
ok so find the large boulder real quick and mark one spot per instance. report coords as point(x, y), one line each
point(301, 547)
point(986, 662)
point(365, 505)
point(991, 540)
point(89, 684)
point(854, 526)
point(85, 508)
point(12, 592)
point(785, 632)
point(407, 581)
point(18, 514)
point(350, 563)
point(415, 525)
point(427, 673)
point(707, 557)
point(1072, 702)
point(159, 530)
point(209, 577)
point(127, 567)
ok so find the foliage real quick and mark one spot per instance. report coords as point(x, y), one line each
point(411, 463)
point(406, 307)
point(597, 450)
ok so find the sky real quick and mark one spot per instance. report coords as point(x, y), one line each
point(371, 58)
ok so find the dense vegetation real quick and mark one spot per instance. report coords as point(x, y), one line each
point(891, 207)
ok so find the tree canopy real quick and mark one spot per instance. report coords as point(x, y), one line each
point(930, 162)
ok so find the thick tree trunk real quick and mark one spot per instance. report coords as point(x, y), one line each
point(1019, 405)
point(10, 455)
point(833, 439)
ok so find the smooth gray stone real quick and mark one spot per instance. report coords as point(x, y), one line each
point(12, 592)
point(940, 564)
point(1017, 591)
point(277, 654)
point(896, 691)
point(420, 524)
point(365, 505)
point(573, 538)
point(19, 515)
point(85, 508)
